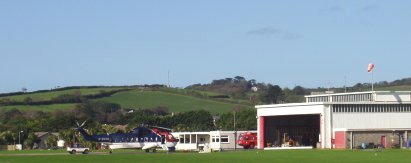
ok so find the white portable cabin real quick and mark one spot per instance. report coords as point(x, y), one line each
point(216, 140)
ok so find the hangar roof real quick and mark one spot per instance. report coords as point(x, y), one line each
point(371, 96)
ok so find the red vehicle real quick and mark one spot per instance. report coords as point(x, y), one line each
point(248, 140)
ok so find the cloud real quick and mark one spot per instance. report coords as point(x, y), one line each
point(263, 31)
point(275, 32)
point(291, 36)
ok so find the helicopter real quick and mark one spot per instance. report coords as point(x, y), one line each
point(143, 137)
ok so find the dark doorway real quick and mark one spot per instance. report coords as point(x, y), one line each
point(292, 130)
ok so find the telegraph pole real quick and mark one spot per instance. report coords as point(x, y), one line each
point(235, 135)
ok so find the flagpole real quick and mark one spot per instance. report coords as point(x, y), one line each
point(372, 81)
point(370, 69)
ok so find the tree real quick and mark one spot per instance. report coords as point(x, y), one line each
point(97, 110)
point(161, 110)
point(239, 79)
point(30, 140)
point(245, 120)
point(226, 121)
point(109, 129)
point(272, 94)
point(8, 137)
point(68, 136)
point(51, 141)
point(196, 120)
point(13, 114)
point(289, 96)
point(298, 90)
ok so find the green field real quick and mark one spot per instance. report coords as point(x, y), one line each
point(207, 94)
point(175, 102)
point(49, 95)
point(393, 88)
point(284, 156)
point(46, 108)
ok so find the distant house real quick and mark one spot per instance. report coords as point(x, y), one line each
point(42, 138)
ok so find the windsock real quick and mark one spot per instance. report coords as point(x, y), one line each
point(370, 67)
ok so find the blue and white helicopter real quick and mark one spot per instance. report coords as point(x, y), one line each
point(144, 137)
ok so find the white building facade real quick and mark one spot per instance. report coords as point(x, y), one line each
point(215, 140)
point(342, 120)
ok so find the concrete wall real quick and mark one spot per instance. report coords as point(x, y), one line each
point(232, 144)
point(393, 96)
point(371, 120)
point(290, 109)
point(375, 137)
point(325, 123)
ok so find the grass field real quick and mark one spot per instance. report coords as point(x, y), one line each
point(49, 95)
point(176, 103)
point(286, 156)
point(130, 99)
point(45, 108)
point(208, 93)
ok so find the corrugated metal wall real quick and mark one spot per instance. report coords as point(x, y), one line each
point(368, 120)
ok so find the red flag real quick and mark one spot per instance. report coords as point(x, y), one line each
point(370, 67)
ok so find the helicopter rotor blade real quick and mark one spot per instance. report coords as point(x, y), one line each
point(78, 125)
point(83, 123)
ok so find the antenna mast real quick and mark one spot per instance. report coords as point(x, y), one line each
point(168, 78)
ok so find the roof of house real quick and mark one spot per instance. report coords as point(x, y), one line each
point(41, 134)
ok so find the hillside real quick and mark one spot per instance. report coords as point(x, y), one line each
point(53, 94)
point(45, 108)
point(219, 96)
point(176, 100)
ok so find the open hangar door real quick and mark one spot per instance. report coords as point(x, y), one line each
point(292, 130)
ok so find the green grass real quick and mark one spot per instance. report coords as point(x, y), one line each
point(175, 102)
point(36, 151)
point(286, 156)
point(46, 108)
point(208, 94)
point(49, 95)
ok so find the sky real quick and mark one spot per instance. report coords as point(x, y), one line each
point(316, 43)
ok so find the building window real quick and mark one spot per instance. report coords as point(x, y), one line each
point(224, 139)
point(215, 139)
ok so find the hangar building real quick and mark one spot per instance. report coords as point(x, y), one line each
point(341, 120)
